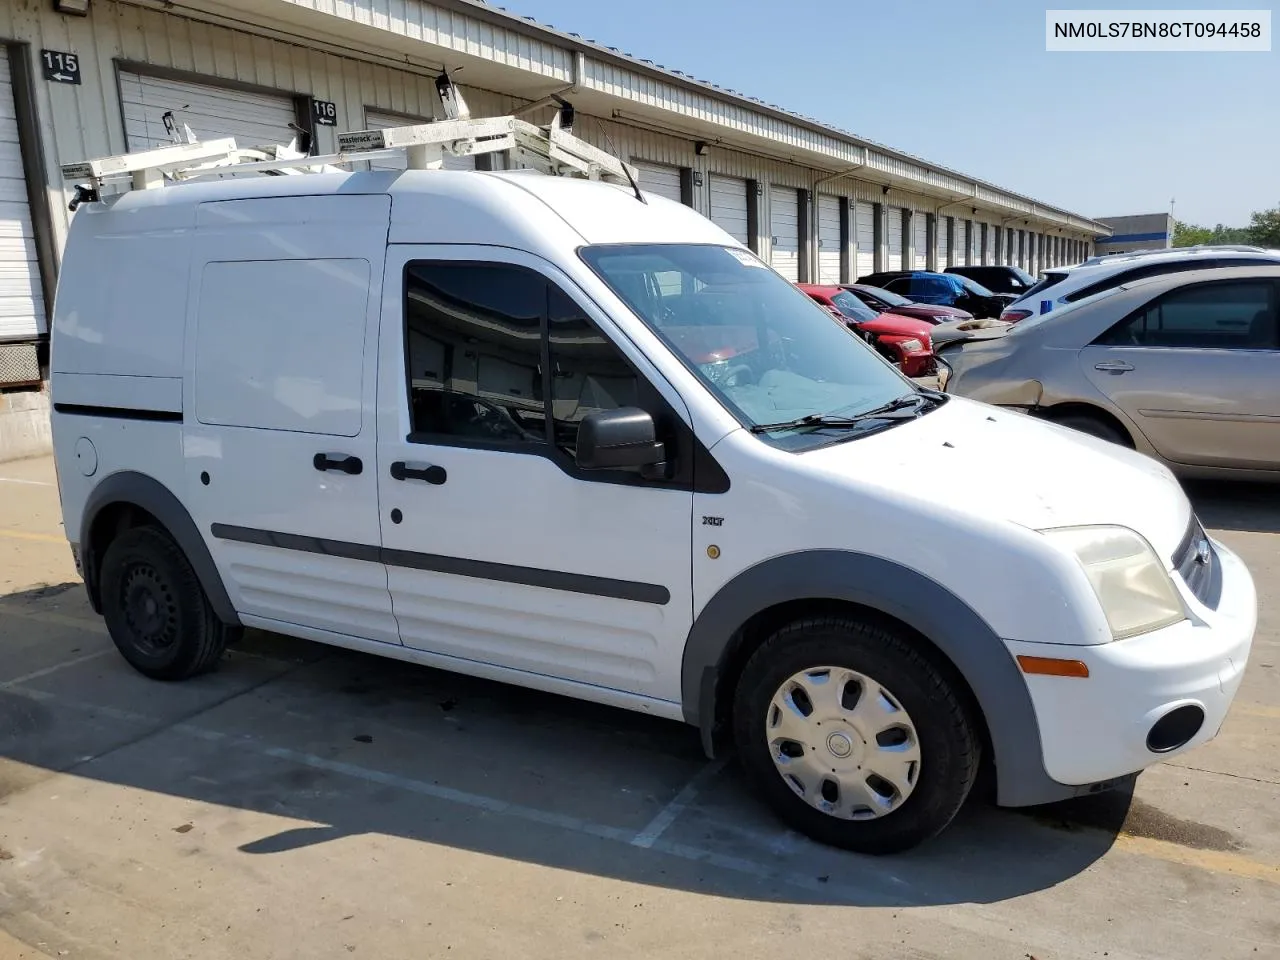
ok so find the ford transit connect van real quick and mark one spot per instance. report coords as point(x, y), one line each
point(554, 432)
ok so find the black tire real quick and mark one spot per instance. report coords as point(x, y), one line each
point(1094, 427)
point(949, 747)
point(156, 611)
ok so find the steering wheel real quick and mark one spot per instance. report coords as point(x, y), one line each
point(738, 375)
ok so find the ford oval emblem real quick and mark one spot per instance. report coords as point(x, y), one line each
point(1202, 552)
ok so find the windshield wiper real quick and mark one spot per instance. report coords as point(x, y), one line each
point(812, 420)
point(883, 411)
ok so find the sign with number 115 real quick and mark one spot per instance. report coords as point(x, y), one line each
point(60, 67)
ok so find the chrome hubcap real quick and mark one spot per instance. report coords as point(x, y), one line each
point(843, 743)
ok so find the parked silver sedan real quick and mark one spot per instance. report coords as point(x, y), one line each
point(1183, 367)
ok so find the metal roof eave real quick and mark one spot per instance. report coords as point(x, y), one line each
point(1025, 205)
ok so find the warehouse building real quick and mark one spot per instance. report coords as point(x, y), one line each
point(1143, 231)
point(89, 78)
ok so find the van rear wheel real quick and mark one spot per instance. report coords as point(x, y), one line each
point(156, 611)
point(854, 735)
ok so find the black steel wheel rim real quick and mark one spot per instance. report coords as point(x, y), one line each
point(150, 609)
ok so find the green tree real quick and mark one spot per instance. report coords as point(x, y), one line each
point(1264, 227)
point(1223, 234)
point(1189, 234)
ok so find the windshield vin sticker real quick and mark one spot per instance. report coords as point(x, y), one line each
point(745, 258)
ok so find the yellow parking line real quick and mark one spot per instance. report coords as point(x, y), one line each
point(1215, 861)
point(26, 535)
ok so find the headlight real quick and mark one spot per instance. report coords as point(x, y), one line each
point(910, 346)
point(1131, 583)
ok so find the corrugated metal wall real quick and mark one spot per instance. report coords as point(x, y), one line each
point(85, 121)
point(82, 122)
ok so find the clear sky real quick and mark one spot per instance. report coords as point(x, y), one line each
point(970, 86)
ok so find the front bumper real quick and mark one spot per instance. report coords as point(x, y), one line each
point(1097, 728)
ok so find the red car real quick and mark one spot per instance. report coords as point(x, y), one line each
point(904, 340)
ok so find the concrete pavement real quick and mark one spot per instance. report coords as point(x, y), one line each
point(309, 802)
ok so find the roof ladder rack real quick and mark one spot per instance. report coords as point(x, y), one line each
point(550, 149)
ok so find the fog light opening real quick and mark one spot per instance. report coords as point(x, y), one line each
point(1175, 728)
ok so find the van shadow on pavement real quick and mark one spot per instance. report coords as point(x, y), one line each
point(355, 744)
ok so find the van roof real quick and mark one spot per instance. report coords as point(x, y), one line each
point(598, 212)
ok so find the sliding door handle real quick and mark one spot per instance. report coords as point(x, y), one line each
point(419, 471)
point(338, 461)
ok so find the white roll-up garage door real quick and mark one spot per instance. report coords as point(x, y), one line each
point(894, 258)
point(940, 241)
point(919, 240)
point(865, 214)
point(254, 119)
point(381, 121)
point(729, 206)
point(659, 179)
point(828, 239)
point(21, 298)
point(784, 230)
point(962, 243)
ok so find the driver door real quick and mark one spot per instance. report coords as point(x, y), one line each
point(500, 551)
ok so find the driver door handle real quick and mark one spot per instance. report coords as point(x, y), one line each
point(1114, 366)
point(419, 471)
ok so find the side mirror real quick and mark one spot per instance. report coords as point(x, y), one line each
point(620, 439)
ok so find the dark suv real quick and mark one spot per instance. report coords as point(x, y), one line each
point(997, 279)
point(946, 289)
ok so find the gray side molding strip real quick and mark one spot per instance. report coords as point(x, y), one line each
point(972, 646)
point(155, 498)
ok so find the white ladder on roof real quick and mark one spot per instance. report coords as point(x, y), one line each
point(549, 149)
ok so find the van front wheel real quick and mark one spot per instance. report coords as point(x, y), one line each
point(853, 735)
point(155, 609)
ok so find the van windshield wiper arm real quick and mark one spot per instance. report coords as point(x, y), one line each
point(823, 420)
point(812, 420)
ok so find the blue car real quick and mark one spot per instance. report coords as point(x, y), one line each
point(945, 289)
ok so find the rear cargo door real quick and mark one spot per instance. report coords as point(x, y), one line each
point(279, 427)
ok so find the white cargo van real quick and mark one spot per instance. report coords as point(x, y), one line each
point(549, 431)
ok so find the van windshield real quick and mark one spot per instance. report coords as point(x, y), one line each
point(769, 353)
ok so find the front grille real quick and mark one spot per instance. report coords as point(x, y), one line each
point(1197, 563)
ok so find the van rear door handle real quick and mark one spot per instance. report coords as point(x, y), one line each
point(338, 461)
point(419, 471)
point(1113, 366)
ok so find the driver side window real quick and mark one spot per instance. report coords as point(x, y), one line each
point(474, 352)
point(480, 340)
